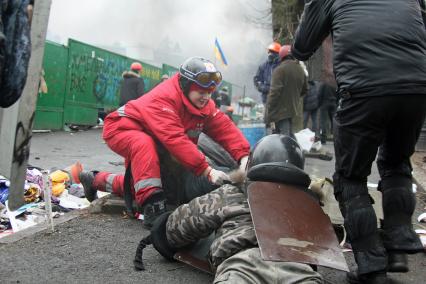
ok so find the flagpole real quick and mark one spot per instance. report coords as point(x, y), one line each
point(214, 54)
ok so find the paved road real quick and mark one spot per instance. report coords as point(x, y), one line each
point(99, 248)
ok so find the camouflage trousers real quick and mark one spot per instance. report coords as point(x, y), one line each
point(248, 266)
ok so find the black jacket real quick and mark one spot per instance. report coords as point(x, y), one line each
point(132, 87)
point(311, 100)
point(327, 95)
point(221, 99)
point(379, 47)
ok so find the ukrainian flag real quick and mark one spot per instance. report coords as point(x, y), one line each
point(219, 53)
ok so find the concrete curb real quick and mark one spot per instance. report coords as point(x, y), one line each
point(40, 227)
point(97, 206)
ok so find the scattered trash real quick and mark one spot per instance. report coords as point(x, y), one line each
point(59, 182)
point(414, 188)
point(305, 138)
point(67, 195)
point(422, 236)
point(316, 146)
point(76, 190)
point(35, 176)
point(19, 220)
point(4, 189)
point(422, 218)
point(72, 202)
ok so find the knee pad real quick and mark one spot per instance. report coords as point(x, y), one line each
point(399, 201)
point(356, 207)
point(345, 190)
point(360, 220)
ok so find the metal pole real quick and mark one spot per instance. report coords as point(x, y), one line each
point(244, 95)
point(47, 189)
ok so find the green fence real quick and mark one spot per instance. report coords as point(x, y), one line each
point(94, 79)
point(50, 106)
point(83, 79)
point(169, 70)
point(229, 85)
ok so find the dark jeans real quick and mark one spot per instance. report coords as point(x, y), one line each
point(284, 126)
point(314, 118)
point(389, 125)
point(327, 112)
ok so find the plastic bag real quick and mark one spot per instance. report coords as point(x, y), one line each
point(305, 138)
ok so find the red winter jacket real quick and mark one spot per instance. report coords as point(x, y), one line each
point(166, 114)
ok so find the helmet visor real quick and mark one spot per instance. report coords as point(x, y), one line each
point(203, 79)
point(207, 79)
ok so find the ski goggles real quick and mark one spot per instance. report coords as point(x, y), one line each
point(203, 79)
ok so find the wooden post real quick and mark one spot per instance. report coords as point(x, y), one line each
point(16, 122)
point(47, 188)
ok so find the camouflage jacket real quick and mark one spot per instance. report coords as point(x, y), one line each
point(224, 211)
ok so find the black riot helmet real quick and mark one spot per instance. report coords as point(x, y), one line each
point(200, 71)
point(277, 148)
point(277, 158)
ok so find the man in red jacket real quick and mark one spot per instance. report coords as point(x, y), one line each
point(171, 115)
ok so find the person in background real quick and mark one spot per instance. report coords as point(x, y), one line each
point(221, 98)
point(285, 103)
point(132, 85)
point(328, 106)
point(262, 79)
point(379, 50)
point(311, 105)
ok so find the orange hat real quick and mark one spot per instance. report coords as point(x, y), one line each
point(275, 47)
point(136, 66)
point(284, 51)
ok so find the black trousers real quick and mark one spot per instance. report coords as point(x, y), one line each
point(327, 112)
point(363, 127)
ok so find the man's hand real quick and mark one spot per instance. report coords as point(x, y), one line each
point(217, 177)
point(243, 164)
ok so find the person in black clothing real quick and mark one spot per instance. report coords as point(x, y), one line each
point(311, 105)
point(380, 66)
point(223, 102)
point(262, 79)
point(328, 104)
point(132, 85)
point(221, 98)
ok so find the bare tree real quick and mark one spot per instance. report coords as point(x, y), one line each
point(285, 18)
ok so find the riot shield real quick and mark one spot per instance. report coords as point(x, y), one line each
point(291, 226)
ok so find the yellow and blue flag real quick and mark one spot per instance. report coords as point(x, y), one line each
point(219, 53)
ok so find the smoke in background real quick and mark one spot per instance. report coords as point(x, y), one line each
point(168, 31)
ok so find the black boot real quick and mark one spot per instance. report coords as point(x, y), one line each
point(153, 207)
point(397, 262)
point(86, 179)
point(378, 277)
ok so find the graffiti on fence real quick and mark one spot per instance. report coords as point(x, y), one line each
point(100, 75)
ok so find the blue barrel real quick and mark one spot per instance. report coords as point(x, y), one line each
point(253, 132)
